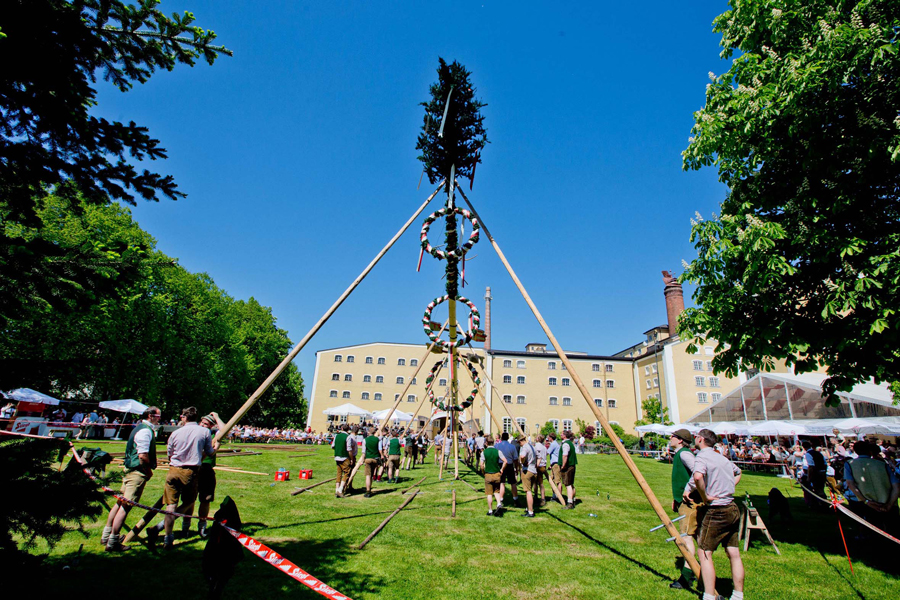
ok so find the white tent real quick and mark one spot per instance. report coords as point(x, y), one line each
point(124, 406)
point(652, 428)
point(397, 416)
point(778, 428)
point(29, 395)
point(347, 410)
point(864, 426)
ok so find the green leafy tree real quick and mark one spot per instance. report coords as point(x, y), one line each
point(803, 264)
point(654, 412)
point(48, 136)
point(547, 428)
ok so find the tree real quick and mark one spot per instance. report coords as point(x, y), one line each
point(653, 413)
point(548, 428)
point(804, 262)
point(48, 136)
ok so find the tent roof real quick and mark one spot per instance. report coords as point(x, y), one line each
point(30, 395)
point(348, 410)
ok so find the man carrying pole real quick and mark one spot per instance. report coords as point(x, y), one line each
point(372, 457)
point(393, 458)
point(342, 443)
point(682, 471)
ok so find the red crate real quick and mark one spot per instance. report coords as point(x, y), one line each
point(283, 476)
point(305, 474)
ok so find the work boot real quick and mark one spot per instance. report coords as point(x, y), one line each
point(152, 535)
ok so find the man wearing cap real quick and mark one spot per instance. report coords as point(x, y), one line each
point(682, 471)
point(528, 458)
point(207, 485)
point(344, 445)
point(715, 478)
point(140, 460)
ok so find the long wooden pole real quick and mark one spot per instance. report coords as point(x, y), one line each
point(502, 403)
point(635, 472)
point(417, 484)
point(309, 487)
point(441, 451)
point(293, 353)
point(480, 394)
point(144, 521)
point(385, 522)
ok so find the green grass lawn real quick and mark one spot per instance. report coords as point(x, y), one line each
point(424, 553)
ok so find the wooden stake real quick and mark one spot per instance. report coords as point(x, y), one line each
point(453, 504)
point(145, 520)
point(635, 472)
point(293, 353)
point(385, 522)
point(414, 485)
point(309, 487)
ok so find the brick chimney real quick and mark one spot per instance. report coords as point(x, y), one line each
point(674, 301)
point(487, 319)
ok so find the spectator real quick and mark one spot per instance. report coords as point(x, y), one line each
point(875, 484)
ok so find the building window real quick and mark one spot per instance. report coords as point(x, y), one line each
point(335, 376)
point(507, 379)
point(507, 364)
point(698, 365)
point(716, 397)
point(555, 423)
point(567, 401)
point(567, 425)
point(551, 381)
point(610, 383)
point(400, 381)
point(377, 395)
point(713, 382)
point(520, 364)
point(411, 398)
point(338, 358)
point(380, 360)
point(522, 426)
point(595, 367)
point(598, 383)
point(369, 360)
point(348, 377)
point(520, 399)
point(379, 379)
point(396, 397)
point(563, 365)
point(654, 368)
point(520, 380)
point(700, 381)
point(332, 394)
point(656, 382)
point(442, 382)
point(551, 365)
point(566, 382)
point(646, 369)
point(709, 365)
point(401, 362)
point(708, 350)
point(414, 362)
point(649, 383)
point(345, 395)
point(507, 425)
point(367, 379)
point(351, 358)
point(609, 368)
point(365, 395)
point(554, 401)
point(507, 398)
point(598, 402)
point(701, 397)
point(611, 403)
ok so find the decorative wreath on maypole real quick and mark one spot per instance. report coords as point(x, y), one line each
point(440, 403)
point(467, 335)
point(456, 253)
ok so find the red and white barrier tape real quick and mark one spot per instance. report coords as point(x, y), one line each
point(256, 547)
point(839, 506)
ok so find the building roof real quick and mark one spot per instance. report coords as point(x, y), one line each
point(552, 354)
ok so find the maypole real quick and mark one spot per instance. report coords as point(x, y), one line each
point(453, 150)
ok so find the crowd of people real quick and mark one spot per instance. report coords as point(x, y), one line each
point(267, 435)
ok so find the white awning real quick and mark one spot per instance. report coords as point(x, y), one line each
point(347, 410)
point(29, 395)
point(124, 406)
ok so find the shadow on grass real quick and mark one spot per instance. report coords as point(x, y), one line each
point(842, 576)
point(179, 572)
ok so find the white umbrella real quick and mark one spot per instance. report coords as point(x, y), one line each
point(29, 395)
point(347, 410)
point(777, 428)
point(857, 425)
point(652, 428)
point(124, 406)
point(730, 428)
point(397, 415)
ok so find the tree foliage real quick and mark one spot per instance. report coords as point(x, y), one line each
point(164, 336)
point(654, 412)
point(53, 52)
point(804, 262)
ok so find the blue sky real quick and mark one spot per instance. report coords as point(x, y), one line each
point(298, 157)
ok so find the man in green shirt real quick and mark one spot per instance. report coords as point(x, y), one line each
point(493, 463)
point(393, 457)
point(371, 459)
point(342, 457)
point(567, 462)
point(682, 469)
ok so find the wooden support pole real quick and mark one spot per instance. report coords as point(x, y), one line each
point(385, 522)
point(502, 403)
point(480, 394)
point(453, 504)
point(469, 484)
point(632, 467)
point(293, 353)
point(309, 487)
point(145, 520)
point(441, 450)
point(414, 485)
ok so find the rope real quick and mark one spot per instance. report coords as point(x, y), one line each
point(256, 547)
point(837, 505)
